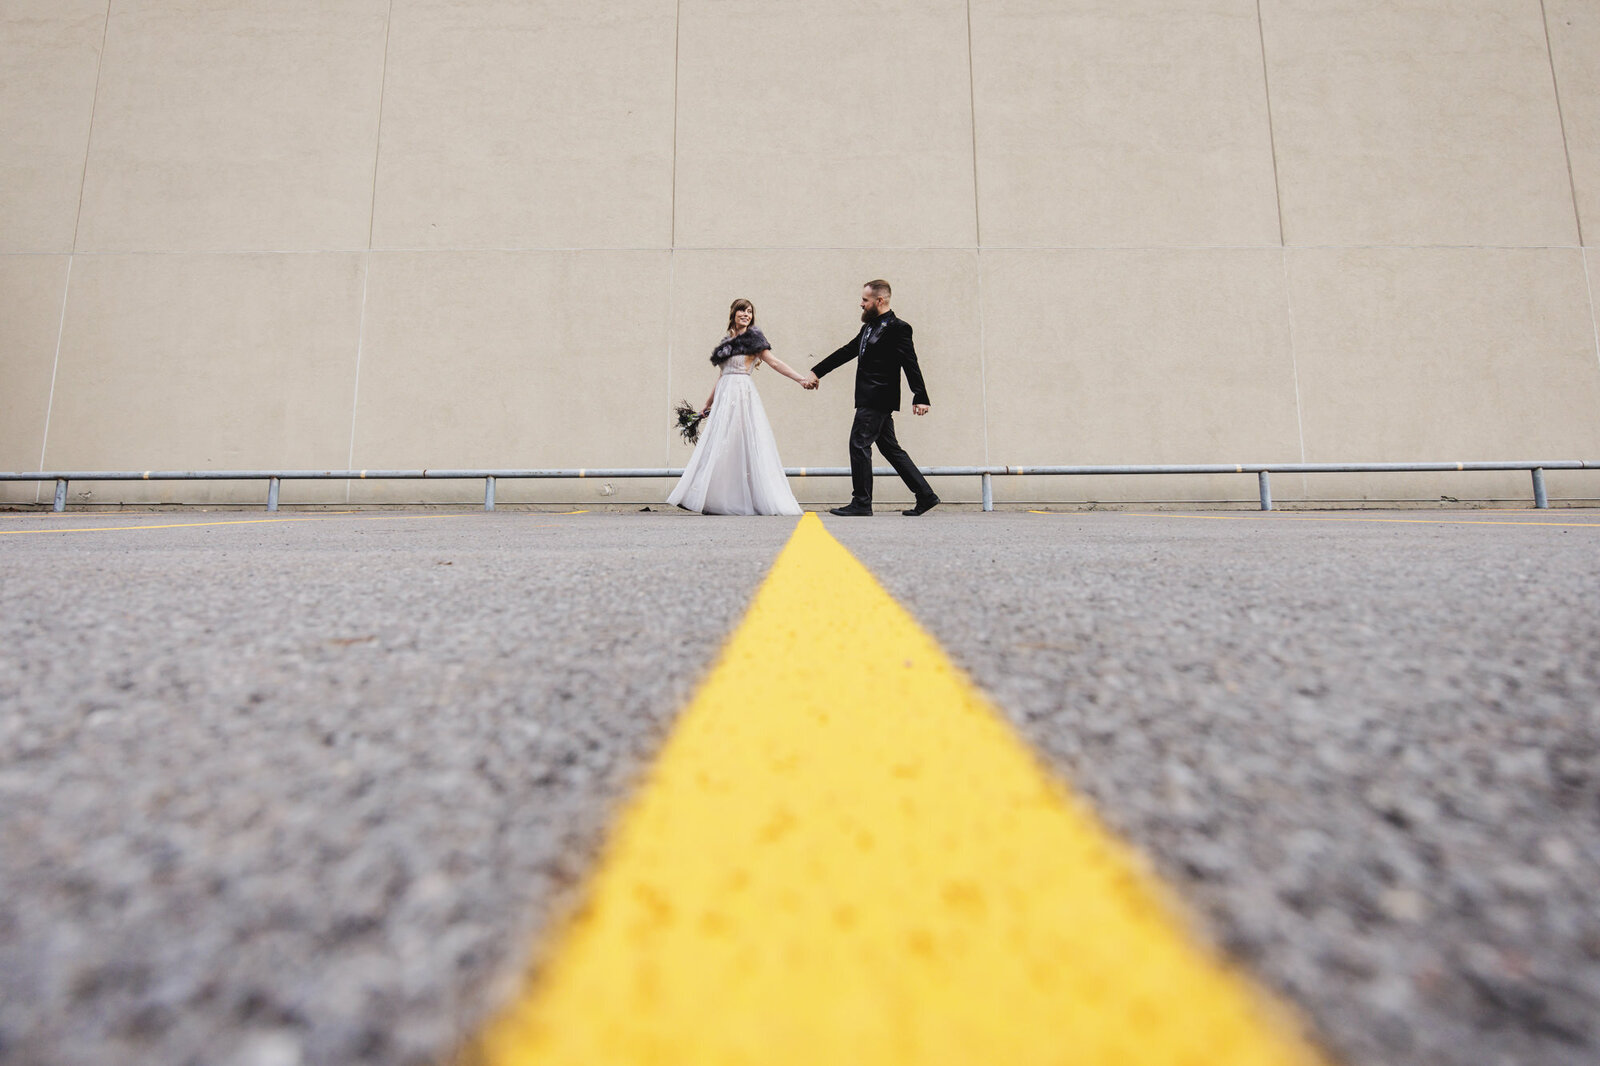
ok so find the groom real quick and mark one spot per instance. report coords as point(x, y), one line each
point(885, 348)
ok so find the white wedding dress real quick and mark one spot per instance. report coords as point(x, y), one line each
point(735, 467)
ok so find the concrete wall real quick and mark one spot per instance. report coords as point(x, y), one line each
point(400, 233)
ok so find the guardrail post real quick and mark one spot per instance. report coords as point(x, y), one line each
point(488, 494)
point(988, 491)
point(1265, 481)
point(1540, 499)
point(272, 494)
point(61, 494)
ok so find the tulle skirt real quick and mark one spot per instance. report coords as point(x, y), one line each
point(735, 467)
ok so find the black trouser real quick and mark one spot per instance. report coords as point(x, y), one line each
point(877, 427)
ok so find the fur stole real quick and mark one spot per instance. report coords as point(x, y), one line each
point(750, 342)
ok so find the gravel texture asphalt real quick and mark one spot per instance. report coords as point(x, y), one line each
point(1365, 749)
point(300, 792)
point(303, 791)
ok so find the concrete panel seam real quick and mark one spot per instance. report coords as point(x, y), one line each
point(555, 250)
point(94, 106)
point(977, 234)
point(677, 46)
point(672, 295)
point(983, 361)
point(1561, 118)
point(354, 249)
point(1438, 247)
point(1294, 369)
point(355, 388)
point(672, 238)
point(1272, 135)
point(827, 247)
point(377, 148)
point(50, 401)
point(972, 113)
point(1594, 321)
point(1024, 247)
point(366, 261)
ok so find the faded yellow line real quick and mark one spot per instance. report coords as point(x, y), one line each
point(326, 516)
point(1281, 517)
point(844, 856)
point(234, 522)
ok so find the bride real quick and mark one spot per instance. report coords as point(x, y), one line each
point(735, 468)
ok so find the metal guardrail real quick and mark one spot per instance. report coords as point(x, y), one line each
point(1263, 472)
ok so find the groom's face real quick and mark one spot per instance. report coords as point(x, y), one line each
point(872, 305)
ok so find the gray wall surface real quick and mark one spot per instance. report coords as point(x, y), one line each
point(462, 233)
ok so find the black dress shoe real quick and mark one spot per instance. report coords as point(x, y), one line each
point(850, 510)
point(924, 505)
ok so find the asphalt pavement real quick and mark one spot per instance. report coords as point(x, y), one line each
point(305, 789)
point(302, 791)
point(1364, 747)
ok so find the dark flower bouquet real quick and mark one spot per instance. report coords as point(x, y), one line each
point(688, 421)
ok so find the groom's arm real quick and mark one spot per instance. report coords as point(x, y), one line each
point(908, 360)
point(837, 359)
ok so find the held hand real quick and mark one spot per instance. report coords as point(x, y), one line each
point(810, 381)
point(919, 409)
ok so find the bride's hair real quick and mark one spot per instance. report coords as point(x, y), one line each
point(741, 304)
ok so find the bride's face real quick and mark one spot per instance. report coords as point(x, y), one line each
point(743, 317)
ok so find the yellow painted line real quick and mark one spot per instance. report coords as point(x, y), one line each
point(1281, 517)
point(231, 522)
point(844, 856)
point(70, 516)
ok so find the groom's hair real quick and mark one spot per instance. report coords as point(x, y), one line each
point(879, 287)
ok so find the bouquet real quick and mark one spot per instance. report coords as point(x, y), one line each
point(688, 421)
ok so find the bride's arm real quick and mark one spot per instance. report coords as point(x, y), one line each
point(781, 367)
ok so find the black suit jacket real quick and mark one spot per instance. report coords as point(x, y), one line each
point(886, 352)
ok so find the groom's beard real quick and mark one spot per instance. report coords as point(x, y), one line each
point(870, 315)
